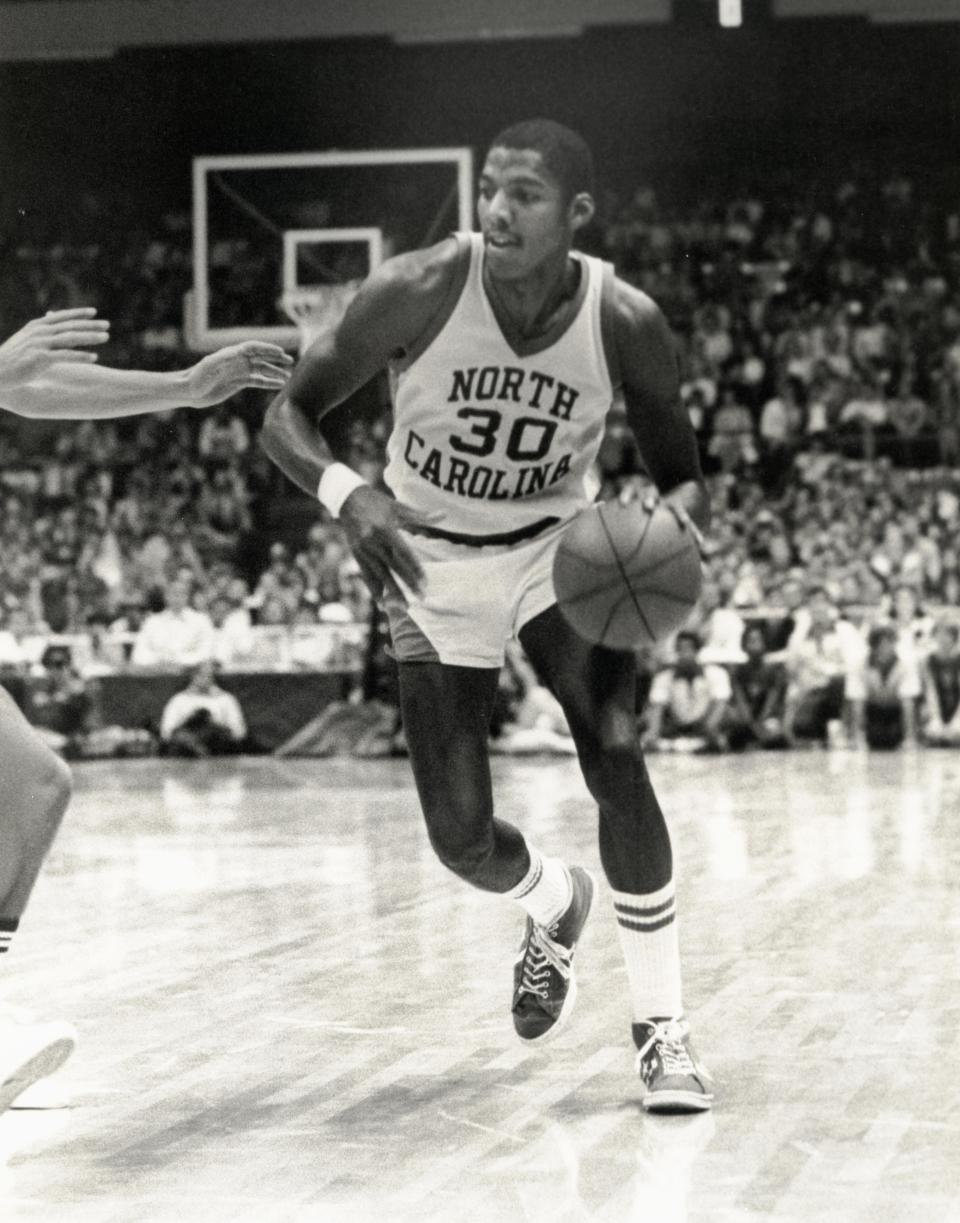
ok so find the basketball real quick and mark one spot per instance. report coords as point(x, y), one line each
point(625, 575)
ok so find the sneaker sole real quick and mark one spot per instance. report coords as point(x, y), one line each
point(677, 1102)
point(568, 1003)
point(48, 1059)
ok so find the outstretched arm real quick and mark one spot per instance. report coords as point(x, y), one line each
point(656, 416)
point(47, 372)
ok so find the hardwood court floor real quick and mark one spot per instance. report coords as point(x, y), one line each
point(290, 1012)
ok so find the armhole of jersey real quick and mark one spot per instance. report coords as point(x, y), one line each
point(446, 307)
point(608, 323)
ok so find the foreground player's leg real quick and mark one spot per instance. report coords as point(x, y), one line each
point(446, 717)
point(34, 791)
point(597, 688)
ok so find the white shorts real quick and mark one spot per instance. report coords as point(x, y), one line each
point(474, 599)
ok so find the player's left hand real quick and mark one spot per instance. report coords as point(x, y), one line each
point(650, 499)
point(251, 364)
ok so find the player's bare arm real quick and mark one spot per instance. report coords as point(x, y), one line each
point(651, 391)
point(46, 372)
point(392, 310)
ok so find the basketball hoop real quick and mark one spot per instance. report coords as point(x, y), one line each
point(317, 309)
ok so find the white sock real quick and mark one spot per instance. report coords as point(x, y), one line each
point(546, 889)
point(647, 926)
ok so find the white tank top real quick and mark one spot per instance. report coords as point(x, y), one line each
point(494, 440)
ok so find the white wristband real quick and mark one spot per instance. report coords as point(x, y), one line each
point(336, 485)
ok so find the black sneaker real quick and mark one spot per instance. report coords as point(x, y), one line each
point(544, 984)
point(674, 1080)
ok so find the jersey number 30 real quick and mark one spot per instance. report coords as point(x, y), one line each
point(529, 438)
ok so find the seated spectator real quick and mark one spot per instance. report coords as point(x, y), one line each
point(530, 719)
point(732, 441)
point(232, 632)
point(223, 437)
point(203, 719)
point(818, 659)
point(758, 696)
point(688, 702)
point(941, 688)
point(61, 704)
point(222, 517)
point(718, 626)
point(883, 692)
point(276, 580)
point(176, 637)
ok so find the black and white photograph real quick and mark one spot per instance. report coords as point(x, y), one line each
point(480, 611)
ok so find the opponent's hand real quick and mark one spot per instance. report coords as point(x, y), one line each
point(60, 336)
point(372, 522)
point(251, 364)
point(650, 499)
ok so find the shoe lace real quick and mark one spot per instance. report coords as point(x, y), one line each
point(667, 1038)
point(542, 953)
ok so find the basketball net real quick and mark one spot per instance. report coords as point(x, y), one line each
point(317, 309)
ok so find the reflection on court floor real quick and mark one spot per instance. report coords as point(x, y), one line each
point(290, 1011)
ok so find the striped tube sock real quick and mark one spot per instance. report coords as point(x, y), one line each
point(647, 926)
point(546, 889)
point(8, 928)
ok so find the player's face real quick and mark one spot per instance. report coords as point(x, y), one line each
point(525, 216)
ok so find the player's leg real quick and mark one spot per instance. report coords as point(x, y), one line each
point(446, 713)
point(597, 689)
point(35, 788)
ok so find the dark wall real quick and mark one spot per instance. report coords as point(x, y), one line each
point(678, 106)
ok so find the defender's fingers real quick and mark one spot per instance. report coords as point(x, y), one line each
point(76, 338)
point(57, 316)
point(277, 371)
point(259, 350)
point(71, 356)
point(272, 381)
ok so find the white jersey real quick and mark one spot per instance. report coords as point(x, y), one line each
point(496, 439)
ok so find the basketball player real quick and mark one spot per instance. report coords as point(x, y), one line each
point(47, 370)
point(507, 348)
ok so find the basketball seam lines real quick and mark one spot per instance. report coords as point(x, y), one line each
point(623, 574)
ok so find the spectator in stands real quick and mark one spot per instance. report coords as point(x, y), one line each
point(529, 717)
point(61, 701)
point(688, 702)
point(223, 437)
point(221, 516)
point(232, 633)
point(176, 637)
point(818, 660)
point(941, 688)
point(718, 626)
point(275, 581)
point(883, 692)
point(758, 696)
point(732, 442)
point(203, 719)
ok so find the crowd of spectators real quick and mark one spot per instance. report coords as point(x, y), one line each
point(818, 335)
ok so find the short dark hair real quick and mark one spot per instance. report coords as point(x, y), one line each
point(565, 153)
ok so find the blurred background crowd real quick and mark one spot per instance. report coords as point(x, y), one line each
point(818, 335)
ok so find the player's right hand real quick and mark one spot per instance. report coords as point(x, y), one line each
point(61, 335)
point(372, 522)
